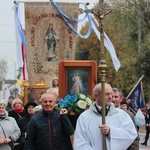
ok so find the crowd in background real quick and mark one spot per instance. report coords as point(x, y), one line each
point(40, 127)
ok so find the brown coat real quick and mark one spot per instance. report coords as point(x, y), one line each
point(135, 144)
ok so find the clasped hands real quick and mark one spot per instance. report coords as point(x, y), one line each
point(5, 140)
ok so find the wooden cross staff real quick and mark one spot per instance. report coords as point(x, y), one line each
point(102, 66)
point(100, 11)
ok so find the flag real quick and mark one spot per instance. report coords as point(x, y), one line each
point(139, 118)
point(20, 42)
point(20, 36)
point(69, 20)
point(136, 97)
point(107, 43)
point(24, 68)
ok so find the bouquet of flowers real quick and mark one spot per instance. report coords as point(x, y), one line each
point(76, 103)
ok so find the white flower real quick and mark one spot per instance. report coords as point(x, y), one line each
point(82, 96)
point(88, 101)
point(81, 104)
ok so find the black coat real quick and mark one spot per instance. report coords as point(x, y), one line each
point(15, 115)
point(23, 125)
point(147, 116)
point(49, 132)
point(23, 121)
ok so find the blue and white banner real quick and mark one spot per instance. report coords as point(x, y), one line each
point(136, 98)
point(139, 118)
point(108, 44)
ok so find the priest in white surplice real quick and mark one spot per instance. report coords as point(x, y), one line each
point(119, 130)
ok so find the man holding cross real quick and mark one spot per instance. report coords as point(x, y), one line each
point(119, 129)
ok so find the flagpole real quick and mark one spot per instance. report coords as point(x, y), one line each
point(142, 89)
point(135, 86)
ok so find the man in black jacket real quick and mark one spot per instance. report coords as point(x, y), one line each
point(49, 130)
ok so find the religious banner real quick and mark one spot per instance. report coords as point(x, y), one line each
point(49, 39)
point(136, 97)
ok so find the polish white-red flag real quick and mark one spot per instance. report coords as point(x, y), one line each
point(20, 43)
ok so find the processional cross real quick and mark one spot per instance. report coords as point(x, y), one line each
point(101, 10)
point(101, 13)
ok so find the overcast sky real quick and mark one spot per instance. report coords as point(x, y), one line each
point(7, 33)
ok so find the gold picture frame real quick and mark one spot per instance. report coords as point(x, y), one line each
point(34, 92)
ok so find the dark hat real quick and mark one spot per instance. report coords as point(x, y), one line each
point(29, 104)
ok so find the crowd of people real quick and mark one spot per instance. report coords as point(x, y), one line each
point(40, 127)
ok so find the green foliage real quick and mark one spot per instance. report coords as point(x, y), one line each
point(122, 29)
point(92, 43)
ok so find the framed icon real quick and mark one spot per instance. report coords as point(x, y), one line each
point(77, 77)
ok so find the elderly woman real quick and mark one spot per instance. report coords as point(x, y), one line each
point(18, 110)
point(9, 130)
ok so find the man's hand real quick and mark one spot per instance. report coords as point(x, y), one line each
point(105, 130)
point(63, 111)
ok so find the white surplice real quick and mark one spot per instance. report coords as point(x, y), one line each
point(88, 135)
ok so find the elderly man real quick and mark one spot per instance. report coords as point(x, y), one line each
point(119, 129)
point(117, 99)
point(49, 130)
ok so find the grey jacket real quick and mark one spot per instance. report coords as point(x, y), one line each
point(11, 129)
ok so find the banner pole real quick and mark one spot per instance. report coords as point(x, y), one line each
point(135, 86)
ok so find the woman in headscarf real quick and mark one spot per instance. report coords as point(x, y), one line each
point(9, 130)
